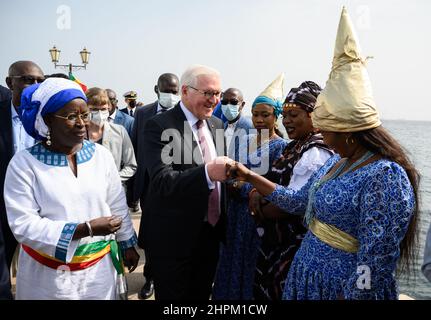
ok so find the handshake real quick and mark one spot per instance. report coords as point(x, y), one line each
point(223, 168)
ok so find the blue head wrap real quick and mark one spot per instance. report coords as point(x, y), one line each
point(47, 97)
point(276, 104)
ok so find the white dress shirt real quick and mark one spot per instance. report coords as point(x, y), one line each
point(192, 119)
point(111, 118)
point(229, 132)
point(21, 140)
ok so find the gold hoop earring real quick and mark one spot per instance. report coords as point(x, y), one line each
point(48, 138)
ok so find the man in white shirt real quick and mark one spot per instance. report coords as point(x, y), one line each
point(116, 117)
point(185, 202)
point(236, 126)
point(13, 137)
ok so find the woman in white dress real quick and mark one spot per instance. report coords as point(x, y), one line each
point(65, 202)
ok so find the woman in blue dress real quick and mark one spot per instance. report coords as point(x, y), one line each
point(236, 268)
point(361, 207)
point(304, 155)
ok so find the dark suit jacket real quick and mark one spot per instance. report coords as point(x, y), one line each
point(6, 153)
point(5, 93)
point(136, 186)
point(243, 126)
point(5, 287)
point(126, 111)
point(125, 120)
point(177, 196)
point(141, 118)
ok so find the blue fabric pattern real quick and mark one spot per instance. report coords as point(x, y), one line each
point(64, 241)
point(59, 159)
point(124, 245)
point(374, 204)
point(29, 108)
point(235, 272)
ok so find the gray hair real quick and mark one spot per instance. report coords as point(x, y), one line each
point(190, 76)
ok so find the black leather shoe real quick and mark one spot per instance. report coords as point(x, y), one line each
point(147, 290)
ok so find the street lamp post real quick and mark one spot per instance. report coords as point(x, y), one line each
point(55, 55)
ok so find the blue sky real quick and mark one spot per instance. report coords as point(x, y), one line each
point(250, 42)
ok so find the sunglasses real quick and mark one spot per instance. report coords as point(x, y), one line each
point(29, 79)
point(231, 101)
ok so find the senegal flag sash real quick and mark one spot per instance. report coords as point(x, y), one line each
point(85, 256)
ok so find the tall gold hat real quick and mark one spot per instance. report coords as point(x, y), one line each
point(346, 103)
point(275, 89)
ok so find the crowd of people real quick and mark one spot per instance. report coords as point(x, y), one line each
point(230, 209)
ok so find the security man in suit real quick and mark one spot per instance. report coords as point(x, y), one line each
point(13, 137)
point(167, 91)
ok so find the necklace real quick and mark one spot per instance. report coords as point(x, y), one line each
point(309, 213)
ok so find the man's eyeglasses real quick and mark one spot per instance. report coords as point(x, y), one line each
point(73, 117)
point(208, 94)
point(29, 79)
point(231, 101)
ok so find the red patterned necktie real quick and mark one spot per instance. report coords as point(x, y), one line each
point(213, 201)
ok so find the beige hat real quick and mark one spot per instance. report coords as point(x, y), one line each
point(275, 89)
point(272, 95)
point(346, 103)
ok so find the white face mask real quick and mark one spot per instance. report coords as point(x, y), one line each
point(168, 100)
point(230, 111)
point(99, 117)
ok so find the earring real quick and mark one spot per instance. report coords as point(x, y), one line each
point(48, 138)
point(350, 140)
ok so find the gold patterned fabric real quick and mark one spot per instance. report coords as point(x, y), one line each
point(333, 236)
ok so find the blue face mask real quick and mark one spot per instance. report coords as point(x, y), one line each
point(230, 111)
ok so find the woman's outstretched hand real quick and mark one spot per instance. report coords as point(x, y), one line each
point(238, 171)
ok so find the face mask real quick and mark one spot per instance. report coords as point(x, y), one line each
point(99, 117)
point(132, 103)
point(168, 100)
point(230, 111)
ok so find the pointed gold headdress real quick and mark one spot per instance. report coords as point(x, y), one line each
point(346, 103)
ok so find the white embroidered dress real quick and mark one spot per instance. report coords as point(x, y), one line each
point(45, 201)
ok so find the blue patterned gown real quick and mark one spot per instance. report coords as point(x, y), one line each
point(235, 271)
point(374, 204)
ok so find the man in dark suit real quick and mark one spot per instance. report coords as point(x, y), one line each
point(184, 205)
point(116, 117)
point(130, 99)
point(13, 137)
point(167, 90)
point(5, 93)
point(5, 292)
